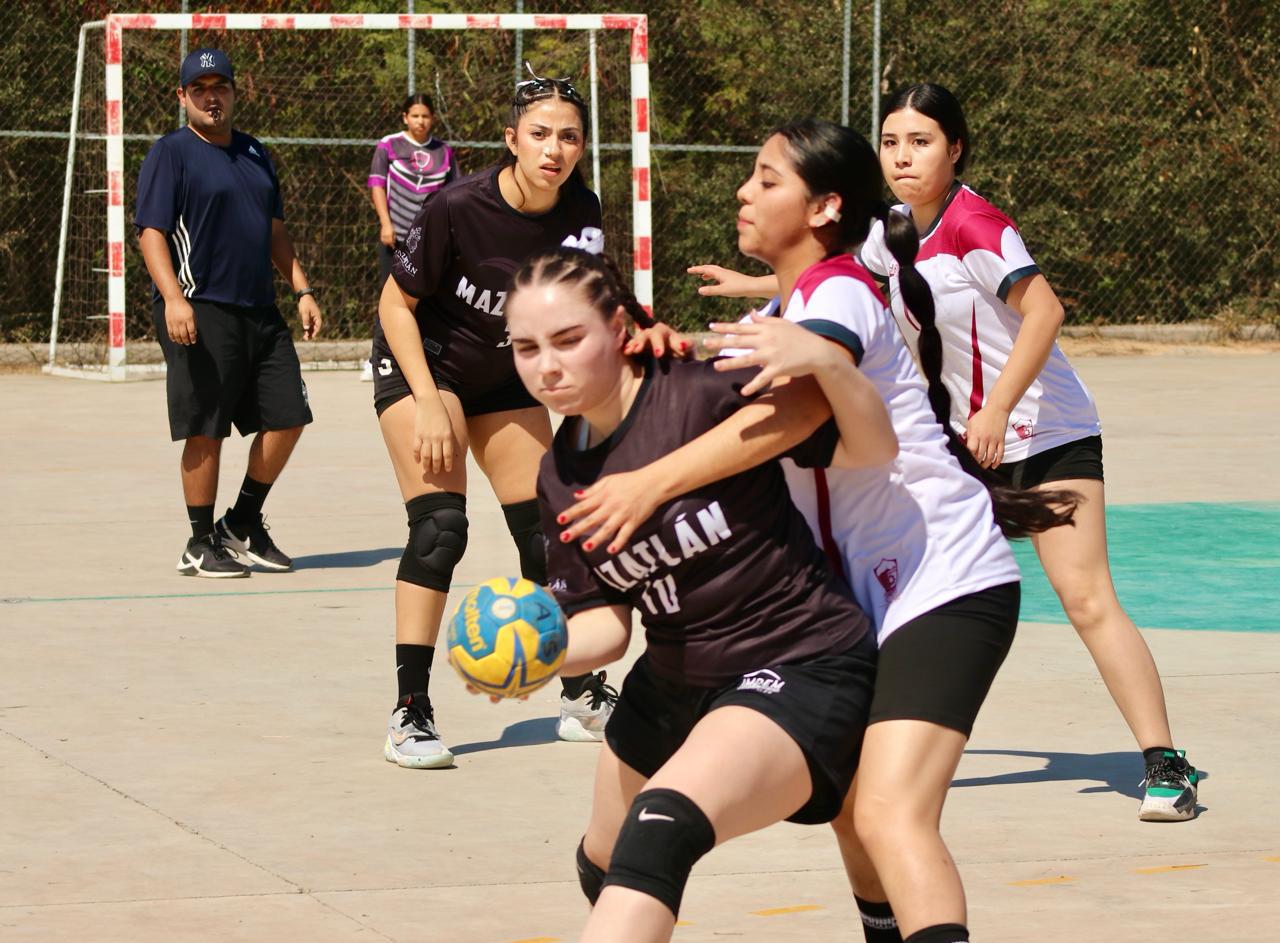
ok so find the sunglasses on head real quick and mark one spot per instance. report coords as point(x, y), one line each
point(529, 88)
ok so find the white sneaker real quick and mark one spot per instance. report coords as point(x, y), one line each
point(583, 720)
point(412, 739)
point(366, 372)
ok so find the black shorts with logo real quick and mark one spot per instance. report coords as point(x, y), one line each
point(390, 386)
point(822, 703)
point(242, 370)
point(1079, 459)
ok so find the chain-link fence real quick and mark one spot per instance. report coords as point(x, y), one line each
point(1136, 142)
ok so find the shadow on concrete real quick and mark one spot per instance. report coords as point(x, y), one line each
point(526, 733)
point(347, 559)
point(1115, 772)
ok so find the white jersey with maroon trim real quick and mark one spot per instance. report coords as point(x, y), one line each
point(971, 257)
point(919, 531)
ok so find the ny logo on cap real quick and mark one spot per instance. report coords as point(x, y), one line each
point(206, 60)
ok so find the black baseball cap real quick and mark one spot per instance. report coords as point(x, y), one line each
point(205, 62)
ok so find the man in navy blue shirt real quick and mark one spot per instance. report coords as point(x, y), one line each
point(211, 224)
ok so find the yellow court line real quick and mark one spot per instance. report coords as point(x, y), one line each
point(779, 911)
point(684, 923)
point(1036, 882)
point(539, 939)
point(1272, 858)
point(1170, 867)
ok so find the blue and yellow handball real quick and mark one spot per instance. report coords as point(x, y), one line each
point(507, 637)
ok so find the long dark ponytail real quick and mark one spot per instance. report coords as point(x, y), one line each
point(830, 158)
point(598, 276)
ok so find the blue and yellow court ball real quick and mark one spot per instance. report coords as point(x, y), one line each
point(507, 637)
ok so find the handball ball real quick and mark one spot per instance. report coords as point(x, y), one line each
point(507, 637)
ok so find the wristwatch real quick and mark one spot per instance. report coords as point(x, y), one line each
point(302, 292)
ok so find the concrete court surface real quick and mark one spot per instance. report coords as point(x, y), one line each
point(185, 759)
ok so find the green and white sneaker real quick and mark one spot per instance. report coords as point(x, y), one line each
point(1169, 789)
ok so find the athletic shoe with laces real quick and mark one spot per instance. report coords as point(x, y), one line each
point(207, 557)
point(1169, 789)
point(253, 544)
point(412, 739)
point(582, 720)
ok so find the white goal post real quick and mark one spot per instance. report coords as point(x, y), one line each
point(116, 24)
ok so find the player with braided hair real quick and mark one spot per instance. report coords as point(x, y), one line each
point(918, 538)
point(444, 383)
point(756, 658)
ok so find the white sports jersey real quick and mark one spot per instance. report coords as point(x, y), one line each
point(971, 257)
point(919, 531)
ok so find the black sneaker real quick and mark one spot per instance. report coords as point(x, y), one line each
point(252, 544)
point(206, 556)
point(1169, 789)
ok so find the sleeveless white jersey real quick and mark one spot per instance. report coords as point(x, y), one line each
point(914, 533)
point(971, 257)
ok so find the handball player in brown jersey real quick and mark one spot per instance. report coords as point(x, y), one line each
point(757, 659)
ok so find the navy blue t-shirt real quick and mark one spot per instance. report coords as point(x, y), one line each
point(216, 205)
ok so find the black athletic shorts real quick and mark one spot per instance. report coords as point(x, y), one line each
point(939, 666)
point(1079, 459)
point(242, 369)
point(390, 386)
point(820, 702)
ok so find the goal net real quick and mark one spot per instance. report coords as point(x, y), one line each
point(320, 90)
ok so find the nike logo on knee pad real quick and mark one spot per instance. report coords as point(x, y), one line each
point(647, 816)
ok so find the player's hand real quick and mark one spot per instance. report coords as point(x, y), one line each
point(434, 445)
point(780, 348)
point(726, 283)
point(984, 435)
point(661, 339)
point(309, 312)
point(180, 321)
point(387, 235)
point(610, 510)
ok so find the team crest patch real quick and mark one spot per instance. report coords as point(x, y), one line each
point(763, 681)
point(421, 160)
point(206, 60)
point(887, 573)
point(411, 241)
point(1024, 428)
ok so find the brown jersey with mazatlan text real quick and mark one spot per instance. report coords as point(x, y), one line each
point(727, 578)
point(458, 259)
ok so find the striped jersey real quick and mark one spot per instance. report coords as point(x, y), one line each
point(971, 256)
point(410, 172)
point(215, 204)
point(913, 533)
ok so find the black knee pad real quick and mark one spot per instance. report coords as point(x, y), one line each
point(662, 837)
point(590, 874)
point(525, 523)
point(437, 537)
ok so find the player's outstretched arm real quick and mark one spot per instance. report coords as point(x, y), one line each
point(286, 261)
point(782, 348)
point(612, 508)
point(731, 284)
point(597, 637)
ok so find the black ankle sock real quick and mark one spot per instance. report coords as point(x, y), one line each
point(201, 518)
point(1155, 754)
point(413, 668)
point(878, 923)
point(572, 687)
point(941, 933)
point(248, 506)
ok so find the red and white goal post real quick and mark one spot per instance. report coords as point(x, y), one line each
point(116, 24)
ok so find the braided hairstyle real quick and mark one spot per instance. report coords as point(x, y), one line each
point(596, 276)
point(831, 158)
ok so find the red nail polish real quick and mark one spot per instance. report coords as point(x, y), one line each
point(560, 519)
point(588, 546)
point(684, 345)
point(565, 538)
point(578, 494)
